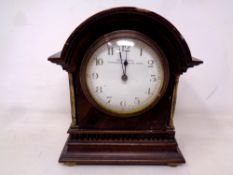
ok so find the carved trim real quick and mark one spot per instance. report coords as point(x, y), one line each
point(123, 137)
point(72, 99)
point(173, 105)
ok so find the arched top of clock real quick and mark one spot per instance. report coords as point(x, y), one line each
point(149, 23)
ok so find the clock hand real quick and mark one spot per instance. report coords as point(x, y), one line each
point(124, 76)
point(126, 61)
point(121, 61)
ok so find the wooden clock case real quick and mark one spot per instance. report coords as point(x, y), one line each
point(97, 138)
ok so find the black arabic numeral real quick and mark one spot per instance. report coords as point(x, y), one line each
point(99, 61)
point(140, 51)
point(153, 78)
point(123, 103)
point(110, 50)
point(125, 48)
point(149, 91)
point(150, 63)
point(109, 98)
point(98, 89)
point(94, 76)
point(137, 101)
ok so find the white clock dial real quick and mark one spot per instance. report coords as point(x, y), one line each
point(124, 75)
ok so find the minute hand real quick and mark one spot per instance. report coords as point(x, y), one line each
point(121, 61)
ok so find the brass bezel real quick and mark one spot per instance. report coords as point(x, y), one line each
point(114, 35)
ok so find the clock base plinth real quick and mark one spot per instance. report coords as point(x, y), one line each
point(121, 152)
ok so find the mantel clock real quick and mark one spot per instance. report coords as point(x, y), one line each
point(123, 66)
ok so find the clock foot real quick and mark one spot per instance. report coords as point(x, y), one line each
point(70, 163)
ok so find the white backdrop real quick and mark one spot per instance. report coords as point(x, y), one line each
point(34, 94)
